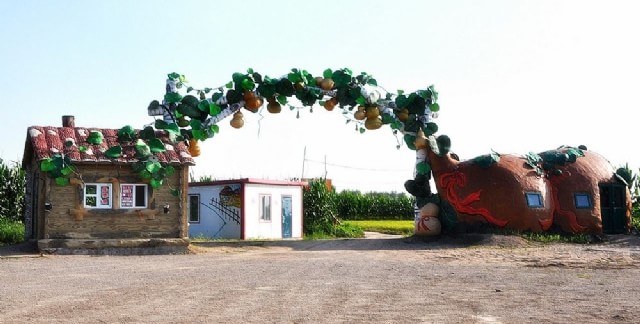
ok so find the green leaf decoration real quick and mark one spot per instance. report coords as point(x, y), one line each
point(410, 141)
point(142, 150)
point(189, 89)
point(423, 168)
point(443, 143)
point(144, 174)
point(214, 128)
point(285, 87)
point(169, 170)
point(434, 107)
point(195, 124)
point(172, 97)
point(248, 84)
point(372, 82)
point(155, 183)
point(361, 100)
point(67, 170)
point(153, 166)
point(237, 77)
point(229, 85)
point(267, 90)
point(113, 152)
point(487, 160)
point(362, 130)
point(387, 119)
point(126, 134)
point(95, 138)
point(156, 146)
point(172, 129)
point(148, 133)
point(199, 134)
point(214, 110)
point(160, 124)
point(175, 192)
point(62, 181)
point(82, 149)
point(216, 96)
point(250, 70)
point(327, 74)
point(47, 165)
point(401, 100)
point(68, 143)
point(430, 129)
point(204, 106)
point(173, 76)
point(396, 124)
point(190, 111)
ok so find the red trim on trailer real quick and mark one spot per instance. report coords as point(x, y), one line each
point(250, 181)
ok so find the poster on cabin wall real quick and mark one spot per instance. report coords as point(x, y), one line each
point(126, 196)
point(220, 212)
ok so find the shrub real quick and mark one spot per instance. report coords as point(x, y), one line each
point(11, 232)
point(348, 230)
point(319, 208)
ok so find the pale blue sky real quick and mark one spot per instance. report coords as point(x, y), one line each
point(513, 76)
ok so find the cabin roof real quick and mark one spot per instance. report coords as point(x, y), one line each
point(46, 141)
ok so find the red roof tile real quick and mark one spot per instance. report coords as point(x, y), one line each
point(47, 141)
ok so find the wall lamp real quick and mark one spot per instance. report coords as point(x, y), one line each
point(48, 206)
point(165, 208)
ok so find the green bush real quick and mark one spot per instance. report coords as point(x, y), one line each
point(348, 230)
point(353, 205)
point(12, 185)
point(319, 208)
point(11, 232)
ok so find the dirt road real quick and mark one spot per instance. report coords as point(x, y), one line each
point(475, 279)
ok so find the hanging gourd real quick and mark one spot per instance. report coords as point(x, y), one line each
point(238, 120)
point(194, 148)
point(273, 107)
point(360, 114)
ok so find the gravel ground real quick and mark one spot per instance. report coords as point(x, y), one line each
point(469, 279)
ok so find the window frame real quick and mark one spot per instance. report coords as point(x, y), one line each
point(134, 195)
point(582, 194)
point(265, 217)
point(190, 210)
point(99, 190)
point(528, 201)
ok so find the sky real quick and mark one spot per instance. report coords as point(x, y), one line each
point(512, 76)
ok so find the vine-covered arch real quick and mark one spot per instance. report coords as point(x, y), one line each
point(192, 114)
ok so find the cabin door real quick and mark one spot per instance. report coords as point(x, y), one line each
point(286, 216)
point(613, 208)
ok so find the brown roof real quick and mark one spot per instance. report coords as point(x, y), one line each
point(46, 141)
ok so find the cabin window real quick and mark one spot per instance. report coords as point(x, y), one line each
point(194, 208)
point(133, 195)
point(97, 195)
point(582, 200)
point(265, 208)
point(534, 199)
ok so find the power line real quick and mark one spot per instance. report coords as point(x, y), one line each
point(353, 167)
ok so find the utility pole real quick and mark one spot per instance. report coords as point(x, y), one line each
point(304, 158)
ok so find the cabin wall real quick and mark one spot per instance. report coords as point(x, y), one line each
point(68, 219)
point(34, 212)
point(219, 210)
point(255, 228)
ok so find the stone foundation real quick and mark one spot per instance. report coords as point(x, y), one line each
point(114, 246)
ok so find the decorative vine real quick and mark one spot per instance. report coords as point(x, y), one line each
point(194, 116)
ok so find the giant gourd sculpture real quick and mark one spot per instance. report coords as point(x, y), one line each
point(531, 192)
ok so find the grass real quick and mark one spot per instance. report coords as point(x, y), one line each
point(399, 227)
point(11, 232)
